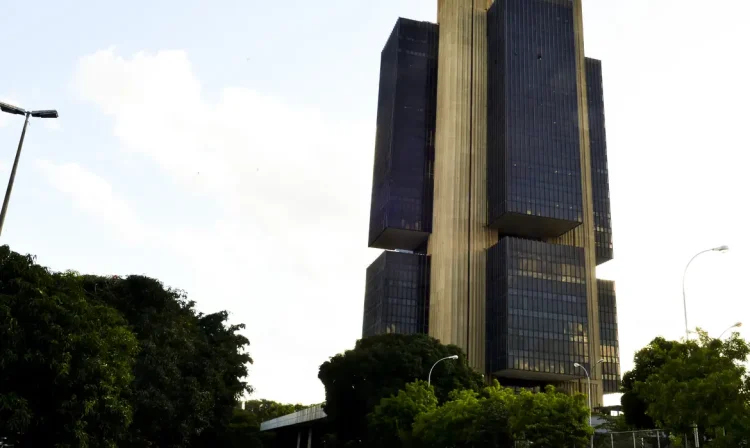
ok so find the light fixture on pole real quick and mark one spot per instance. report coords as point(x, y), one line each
point(588, 379)
point(737, 325)
point(7, 108)
point(429, 376)
point(684, 274)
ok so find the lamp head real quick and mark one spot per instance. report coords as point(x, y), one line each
point(9, 108)
point(724, 248)
point(45, 114)
point(737, 325)
point(454, 357)
point(576, 365)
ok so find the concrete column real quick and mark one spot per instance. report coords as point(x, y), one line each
point(309, 438)
point(299, 438)
point(459, 236)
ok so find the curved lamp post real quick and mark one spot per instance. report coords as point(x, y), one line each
point(588, 379)
point(684, 274)
point(737, 325)
point(429, 376)
point(28, 113)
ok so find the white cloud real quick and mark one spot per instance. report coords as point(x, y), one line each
point(93, 194)
point(287, 253)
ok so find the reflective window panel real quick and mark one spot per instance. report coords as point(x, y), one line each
point(397, 294)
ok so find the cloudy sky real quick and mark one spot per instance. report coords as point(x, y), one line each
point(226, 149)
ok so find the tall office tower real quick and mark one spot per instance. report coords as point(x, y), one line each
point(491, 181)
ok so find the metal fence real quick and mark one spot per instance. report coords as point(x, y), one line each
point(641, 439)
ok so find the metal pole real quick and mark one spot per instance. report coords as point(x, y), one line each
point(634, 446)
point(588, 379)
point(684, 275)
point(658, 439)
point(13, 174)
point(612, 440)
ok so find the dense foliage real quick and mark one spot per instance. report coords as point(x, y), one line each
point(97, 361)
point(189, 369)
point(648, 361)
point(390, 423)
point(551, 419)
point(380, 366)
point(701, 383)
point(66, 364)
point(496, 417)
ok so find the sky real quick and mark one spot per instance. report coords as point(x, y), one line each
point(226, 149)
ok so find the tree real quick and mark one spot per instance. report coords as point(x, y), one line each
point(452, 424)
point(498, 416)
point(379, 367)
point(243, 430)
point(551, 419)
point(65, 363)
point(648, 360)
point(390, 423)
point(188, 374)
point(264, 410)
point(702, 383)
point(468, 420)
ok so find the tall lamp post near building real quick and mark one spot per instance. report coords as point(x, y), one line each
point(27, 113)
point(588, 379)
point(429, 376)
point(684, 275)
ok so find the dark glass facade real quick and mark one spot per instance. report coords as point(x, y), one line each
point(599, 171)
point(397, 294)
point(536, 292)
point(608, 335)
point(401, 205)
point(533, 147)
point(537, 323)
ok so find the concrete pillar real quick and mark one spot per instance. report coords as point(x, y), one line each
point(587, 228)
point(309, 438)
point(299, 438)
point(460, 237)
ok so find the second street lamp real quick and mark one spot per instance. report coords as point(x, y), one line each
point(429, 376)
point(684, 275)
point(10, 109)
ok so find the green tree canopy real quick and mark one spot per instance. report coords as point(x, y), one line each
point(380, 366)
point(648, 360)
point(390, 423)
point(264, 410)
point(551, 419)
point(498, 416)
point(453, 424)
point(701, 382)
point(65, 363)
point(190, 369)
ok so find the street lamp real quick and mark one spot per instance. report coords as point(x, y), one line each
point(18, 111)
point(588, 379)
point(429, 376)
point(684, 274)
point(737, 325)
